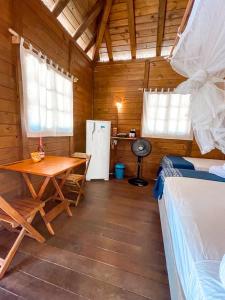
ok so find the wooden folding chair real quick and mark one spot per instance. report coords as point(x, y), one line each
point(19, 213)
point(75, 182)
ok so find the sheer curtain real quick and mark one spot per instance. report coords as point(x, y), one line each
point(200, 56)
point(166, 115)
point(47, 96)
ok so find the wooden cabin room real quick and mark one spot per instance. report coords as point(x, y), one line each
point(112, 149)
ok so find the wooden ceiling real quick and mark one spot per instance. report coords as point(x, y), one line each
point(109, 30)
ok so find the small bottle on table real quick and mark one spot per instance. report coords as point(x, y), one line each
point(41, 149)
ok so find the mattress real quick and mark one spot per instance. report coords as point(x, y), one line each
point(203, 164)
point(194, 210)
point(176, 290)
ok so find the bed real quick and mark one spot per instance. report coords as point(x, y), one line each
point(193, 246)
point(173, 172)
point(191, 163)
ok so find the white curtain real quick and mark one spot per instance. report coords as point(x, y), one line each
point(200, 56)
point(47, 96)
point(166, 115)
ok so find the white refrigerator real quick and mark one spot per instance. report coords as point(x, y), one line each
point(98, 146)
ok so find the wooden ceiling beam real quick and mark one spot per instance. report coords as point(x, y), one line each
point(90, 44)
point(59, 7)
point(108, 43)
point(89, 19)
point(161, 26)
point(103, 24)
point(131, 24)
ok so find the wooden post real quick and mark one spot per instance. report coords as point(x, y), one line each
point(71, 138)
point(17, 10)
point(146, 74)
point(18, 26)
point(145, 85)
point(183, 24)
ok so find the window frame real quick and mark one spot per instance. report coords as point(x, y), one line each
point(157, 135)
point(50, 90)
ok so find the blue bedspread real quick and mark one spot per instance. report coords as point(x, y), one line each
point(172, 172)
point(178, 162)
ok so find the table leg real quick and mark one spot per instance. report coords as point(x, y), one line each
point(30, 185)
point(59, 191)
point(43, 187)
point(47, 223)
point(62, 182)
point(53, 213)
point(64, 205)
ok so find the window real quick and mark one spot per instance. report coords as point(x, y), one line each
point(166, 115)
point(47, 97)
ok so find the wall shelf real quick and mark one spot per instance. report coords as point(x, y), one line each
point(115, 139)
point(123, 138)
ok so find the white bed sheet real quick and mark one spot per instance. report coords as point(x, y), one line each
point(203, 164)
point(196, 215)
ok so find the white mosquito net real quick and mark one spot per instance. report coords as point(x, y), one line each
point(200, 56)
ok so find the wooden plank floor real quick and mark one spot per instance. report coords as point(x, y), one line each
point(111, 249)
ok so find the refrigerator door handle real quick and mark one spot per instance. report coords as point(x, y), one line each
point(93, 131)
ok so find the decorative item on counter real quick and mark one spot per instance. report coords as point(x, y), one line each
point(41, 149)
point(35, 156)
point(114, 131)
point(132, 133)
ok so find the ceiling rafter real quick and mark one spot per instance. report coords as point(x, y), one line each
point(131, 24)
point(123, 40)
point(91, 43)
point(89, 19)
point(161, 26)
point(108, 43)
point(103, 24)
point(183, 23)
point(59, 7)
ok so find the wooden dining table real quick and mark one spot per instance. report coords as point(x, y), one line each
point(49, 168)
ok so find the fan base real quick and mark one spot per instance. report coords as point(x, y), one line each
point(138, 181)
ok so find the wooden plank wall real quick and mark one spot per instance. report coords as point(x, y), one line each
point(9, 118)
point(122, 80)
point(47, 35)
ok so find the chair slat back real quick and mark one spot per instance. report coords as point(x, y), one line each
point(80, 155)
point(85, 156)
point(87, 165)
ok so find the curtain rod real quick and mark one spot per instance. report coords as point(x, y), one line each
point(157, 90)
point(182, 25)
point(16, 40)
